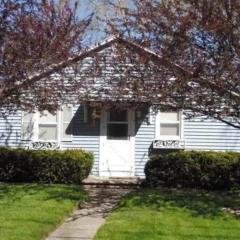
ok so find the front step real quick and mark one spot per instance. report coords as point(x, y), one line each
point(102, 199)
point(115, 181)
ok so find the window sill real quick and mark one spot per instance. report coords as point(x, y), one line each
point(70, 140)
point(169, 138)
point(42, 141)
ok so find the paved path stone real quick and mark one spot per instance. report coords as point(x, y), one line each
point(84, 223)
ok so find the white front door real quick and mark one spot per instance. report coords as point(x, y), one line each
point(117, 143)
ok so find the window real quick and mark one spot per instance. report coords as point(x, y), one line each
point(168, 125)
point(48, 126)
point(117, 125)
point(27, 125)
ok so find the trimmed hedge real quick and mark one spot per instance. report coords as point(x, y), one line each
point(45, 166)
point(194, 169)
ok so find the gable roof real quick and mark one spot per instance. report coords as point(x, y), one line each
point(131, 45)
point(107, 43)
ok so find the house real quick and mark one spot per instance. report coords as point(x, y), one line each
point(121, 139)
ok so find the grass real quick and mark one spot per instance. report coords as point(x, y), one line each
point(31, 211)
point(173, 215)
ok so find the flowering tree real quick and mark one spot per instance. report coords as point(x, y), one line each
point(197, 46)
point(178, 55)
point(35, 37)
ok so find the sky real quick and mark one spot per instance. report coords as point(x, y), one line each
point(96, 31)
point(100, 8)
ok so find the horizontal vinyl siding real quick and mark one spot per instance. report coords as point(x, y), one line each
point(85, 136)
point(10, 130)
point(145, 133)
point(199, 134)
point(209, 134)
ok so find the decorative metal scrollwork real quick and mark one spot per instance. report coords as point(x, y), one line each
point(169, 144)
point(43, 145)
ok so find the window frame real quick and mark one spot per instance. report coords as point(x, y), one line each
point(158, 123)
point(59, 123)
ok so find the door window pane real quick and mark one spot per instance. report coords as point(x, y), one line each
point(48, 132)
point(117, 131)
point(168, 129)
point(118, 116)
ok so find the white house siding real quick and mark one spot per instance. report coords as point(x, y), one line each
point(85, 136)
point(199, 134)
point(209, 134)
point(10, 130)
point(145, 133)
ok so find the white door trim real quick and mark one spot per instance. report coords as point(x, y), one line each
point(103, 140)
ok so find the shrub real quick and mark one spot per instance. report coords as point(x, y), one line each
point(46, 166)
point(193, 169)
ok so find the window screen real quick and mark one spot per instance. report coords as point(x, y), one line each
point(47, 128)
point(47, 132)
point(27, 126)
point(168, 129)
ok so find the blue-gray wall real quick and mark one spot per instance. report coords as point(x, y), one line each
point(199, 134)
point(145, 133)
point(209, 134)
point(10, 130)
point(85, 135)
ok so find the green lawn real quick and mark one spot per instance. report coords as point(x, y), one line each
point(30, 212)
point(173, 215)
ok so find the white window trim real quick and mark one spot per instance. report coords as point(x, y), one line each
point(69, 139)
point(158, 135)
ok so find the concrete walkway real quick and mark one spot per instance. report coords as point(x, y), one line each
point(82, 228)
point(84, 223)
